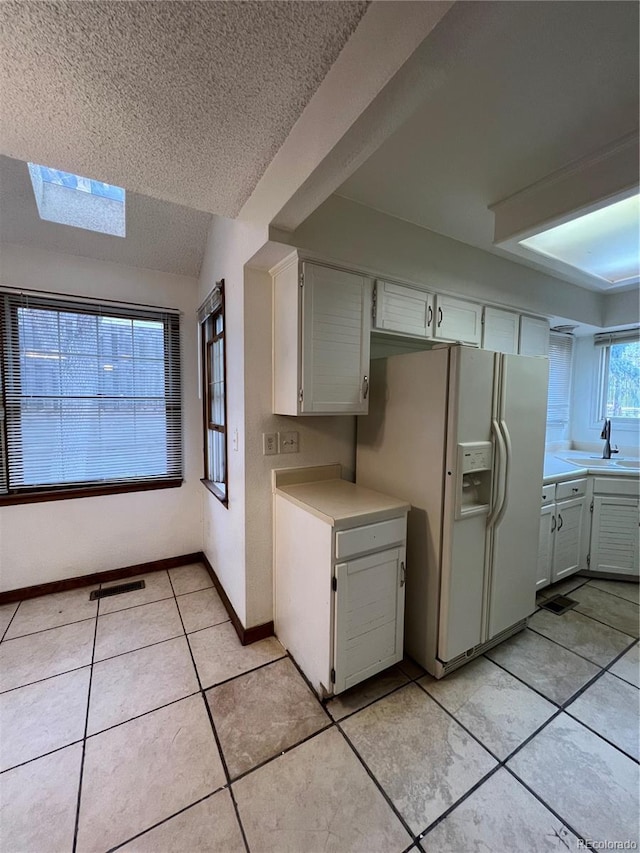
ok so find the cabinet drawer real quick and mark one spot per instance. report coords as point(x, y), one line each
point(370, 537)
point(571, 489)
point(628, 488)
point(548, 494)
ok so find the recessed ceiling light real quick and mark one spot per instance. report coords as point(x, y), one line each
point(604, 243)
point(81, 202)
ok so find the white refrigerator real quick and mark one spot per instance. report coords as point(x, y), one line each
point(458, 433)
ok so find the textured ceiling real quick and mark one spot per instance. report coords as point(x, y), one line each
point(160, 235)
point(184, 101)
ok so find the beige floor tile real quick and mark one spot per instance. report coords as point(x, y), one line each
point(563, 587)
point(134, 683)
point(190, 578)
point(553, 670)
point(219, 655)
point(594, 709)
point(497, 708)
point(156, 588)
point(592, 640)
point(590, 784)
point(41, 717)
point(628, 666)
point(422, 758)
point(262, 713)
point(201, 609)
point(51, 611)
point(131, 629)
point(500, 816)
point(38, 803)
point(144, 771)
point(617, 612)
point(6, 615)
point(366, 692)
point(623, 589)
point(317, 798)
point(48, 653)
point(208, 827)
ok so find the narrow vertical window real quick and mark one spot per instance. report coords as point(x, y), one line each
point(213, 356)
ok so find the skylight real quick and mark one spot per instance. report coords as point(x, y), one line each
point(603, 243)
point(81, 202)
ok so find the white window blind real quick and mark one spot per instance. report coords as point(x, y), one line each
point(91, 394)
point(623, 336)
point(560, 360)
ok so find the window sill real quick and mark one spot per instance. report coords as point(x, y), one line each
point(215, 491)
point(61, 494)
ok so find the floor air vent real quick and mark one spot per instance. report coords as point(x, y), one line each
point(116, 590)
point(558, 604)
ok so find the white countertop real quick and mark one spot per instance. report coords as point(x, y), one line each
point(557, 469)
point(339, 502)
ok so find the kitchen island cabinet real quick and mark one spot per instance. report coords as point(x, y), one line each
point(339, 566)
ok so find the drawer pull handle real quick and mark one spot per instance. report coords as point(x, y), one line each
point(403, 574)
point(575, 490)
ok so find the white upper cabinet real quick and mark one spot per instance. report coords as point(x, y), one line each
point(457, 320)
point(534, 336)
point(322, 326)
point(403, 310)
point(500, 330)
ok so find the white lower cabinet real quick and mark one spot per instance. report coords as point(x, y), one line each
point(614, 528)
point(563, 524)
point(339, 584)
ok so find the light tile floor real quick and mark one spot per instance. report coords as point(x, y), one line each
point(141, 724)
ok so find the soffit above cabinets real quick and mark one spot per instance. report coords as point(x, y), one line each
point(523, 90)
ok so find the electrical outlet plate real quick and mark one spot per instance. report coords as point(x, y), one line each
point(269, 443)
point(288, 442)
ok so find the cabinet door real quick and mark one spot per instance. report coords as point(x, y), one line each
point(534, 336)
point(500, 331)
point(368, 616)
point(614, 536)
point(545, 545)
point(567, 547)
point(336, 327)
point(403, 310)
point(457, 320)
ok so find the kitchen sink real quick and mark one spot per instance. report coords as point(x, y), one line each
point(628, 463)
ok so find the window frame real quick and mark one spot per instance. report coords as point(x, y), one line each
point(8, 355)
point(209, 319)
point(599, 399)
point(561, 424)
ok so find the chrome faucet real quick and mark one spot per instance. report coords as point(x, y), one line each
point(606, 434)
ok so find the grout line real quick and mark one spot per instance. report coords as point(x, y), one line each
point(84, 741)
point(206, 627)
point(522, 681)
point(207, 708)
point(170, 817)
point(48, 678)
point(372, 702)
point(44, 755)
point(144, 714)
point(378, 785)
point(4, 633)
point(139, 648)
point(567, 647)
point(240, 674)
point(600, 622)
point(602, 737)
point(193, 591)
point(135, 606)
point(615, 595)
point(44, 630)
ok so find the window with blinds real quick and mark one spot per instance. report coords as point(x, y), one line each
point(560, 363)
point(211, 318)
point(91, 397)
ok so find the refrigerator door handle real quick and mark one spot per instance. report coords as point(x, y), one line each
point(501, 458)
point(507, 465)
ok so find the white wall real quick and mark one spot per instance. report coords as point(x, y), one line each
point(322, 440)
point(230, 244)
point(364, 238)
point(622, 309)
point(52, 540)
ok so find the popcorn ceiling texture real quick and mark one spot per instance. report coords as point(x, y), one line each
point(160, 235)
point(184, 101)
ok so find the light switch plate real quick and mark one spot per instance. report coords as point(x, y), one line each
point(269, 443)
point(288, 442)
